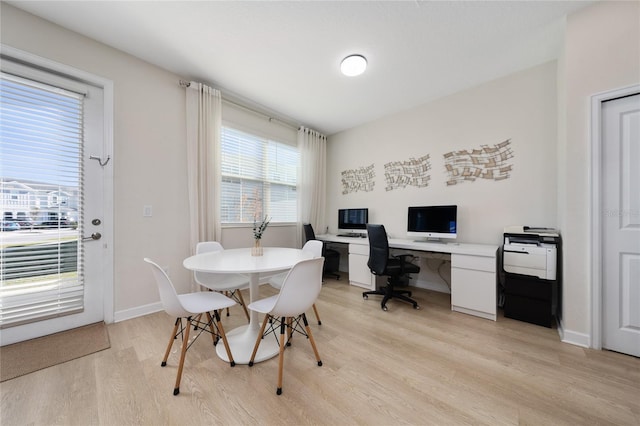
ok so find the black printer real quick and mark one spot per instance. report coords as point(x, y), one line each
point(531, 268)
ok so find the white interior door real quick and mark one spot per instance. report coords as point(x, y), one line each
point(621, 224)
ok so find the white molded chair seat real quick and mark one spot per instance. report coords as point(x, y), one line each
point(299, 291)
point(312, 246)
point(230, 284)
point(190, 306)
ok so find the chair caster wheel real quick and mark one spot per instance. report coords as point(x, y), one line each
point(364, 296)
point(384, 308)
point(416, 307)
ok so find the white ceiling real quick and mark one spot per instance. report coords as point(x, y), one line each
point(284, 55)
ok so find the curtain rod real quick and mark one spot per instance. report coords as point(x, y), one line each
point(186, 84)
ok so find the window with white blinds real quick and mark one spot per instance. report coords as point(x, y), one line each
point(41, 140)
point(258, 178)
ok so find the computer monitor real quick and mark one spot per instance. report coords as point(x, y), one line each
point(353, 219)
point(432, 223)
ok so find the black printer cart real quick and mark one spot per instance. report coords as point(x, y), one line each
point(530, 299)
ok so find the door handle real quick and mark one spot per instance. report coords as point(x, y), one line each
point(94, 236)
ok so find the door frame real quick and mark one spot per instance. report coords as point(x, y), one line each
point(596, 213)
point(107, 87)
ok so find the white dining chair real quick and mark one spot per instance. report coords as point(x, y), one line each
point(229, 284)
point(191, 307)
point(315, 248)
point(286, 310)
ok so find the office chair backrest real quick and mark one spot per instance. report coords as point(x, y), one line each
point(300, 288)
point(378, 249)
point(308, 232)
point(168, 295)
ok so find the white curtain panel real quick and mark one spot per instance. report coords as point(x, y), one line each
point(311, 180)
point(204, 124)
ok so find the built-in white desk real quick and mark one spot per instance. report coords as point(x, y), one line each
point(473, 270)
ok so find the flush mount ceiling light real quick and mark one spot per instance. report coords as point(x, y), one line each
point(353, 65)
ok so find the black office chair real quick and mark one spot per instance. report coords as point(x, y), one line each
point(396, 268)
point(331, 257)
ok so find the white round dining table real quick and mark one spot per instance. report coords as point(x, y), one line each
point(240, 261)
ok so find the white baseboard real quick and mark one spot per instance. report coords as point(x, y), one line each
point(574, 338)
point(138, 311)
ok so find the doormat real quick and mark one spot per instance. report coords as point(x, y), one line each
point(32, 355)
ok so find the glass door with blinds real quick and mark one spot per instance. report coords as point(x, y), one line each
point(50, 198)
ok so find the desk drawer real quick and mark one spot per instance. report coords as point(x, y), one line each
point(474, 292)
point(477, 263)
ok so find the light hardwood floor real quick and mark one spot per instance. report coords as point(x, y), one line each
point(430, 366)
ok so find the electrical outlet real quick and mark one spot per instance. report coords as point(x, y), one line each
point(147, 211)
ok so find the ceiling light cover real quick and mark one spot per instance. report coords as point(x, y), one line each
point(353, 65)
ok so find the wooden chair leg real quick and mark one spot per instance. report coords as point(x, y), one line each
point(171, 340)
point(224, 338)
point(244, 306)
point(283, 342)
point(185, 345)
point(259, 339)
point(313, 342)
point(315, 310)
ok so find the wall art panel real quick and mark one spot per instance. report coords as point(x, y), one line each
point(414, 172)
point(487, 162)
point(361, 179)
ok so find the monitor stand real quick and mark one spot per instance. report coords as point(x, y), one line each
point(352, 235)
point(430, 240)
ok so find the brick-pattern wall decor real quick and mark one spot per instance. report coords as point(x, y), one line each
point(487, 162)
point(414, 172)
point(361, 179)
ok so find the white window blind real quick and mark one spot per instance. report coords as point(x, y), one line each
point(258, 178)
point(41, 131)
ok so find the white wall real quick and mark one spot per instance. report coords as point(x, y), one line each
point(602, 52)
point(520, 107)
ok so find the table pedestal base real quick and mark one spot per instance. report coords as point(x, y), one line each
point(241, 342)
